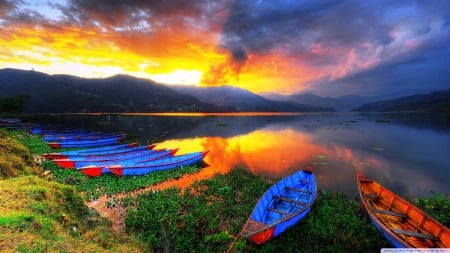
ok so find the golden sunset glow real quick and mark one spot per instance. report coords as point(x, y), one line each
point(171, 56)
point(247, 151)
point(253, 45)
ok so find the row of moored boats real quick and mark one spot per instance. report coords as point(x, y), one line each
point(289, 200)
point(96, 153)
point(282, 206)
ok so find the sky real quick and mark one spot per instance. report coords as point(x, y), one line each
point(324, 47)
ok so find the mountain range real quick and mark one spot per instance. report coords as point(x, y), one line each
point(121, 93)
point(438, 101)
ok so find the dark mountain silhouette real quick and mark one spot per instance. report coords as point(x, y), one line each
point(243, 100)
point(63, 93)
point(344, 103)
point(438, 101)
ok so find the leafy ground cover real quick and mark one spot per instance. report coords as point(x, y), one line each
point(93, 188)
point(15, 159)
point(204, 218)
point(208, 217)
point(38, 214)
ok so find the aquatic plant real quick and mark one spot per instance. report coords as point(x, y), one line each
point(214, 211)
point(108, 184)
point(438, 206)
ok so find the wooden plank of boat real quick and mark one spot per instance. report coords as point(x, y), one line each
point(403, 224)
point(283, 205)
point(156, 165)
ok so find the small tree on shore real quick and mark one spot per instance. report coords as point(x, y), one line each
point(13, 105)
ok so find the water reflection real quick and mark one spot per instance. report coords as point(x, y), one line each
point(406, 153)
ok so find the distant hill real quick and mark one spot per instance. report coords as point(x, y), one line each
point(345, 103)
point(243, 100)
point(63, 93)
point(438, 101)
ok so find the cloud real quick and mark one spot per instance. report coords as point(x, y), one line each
point(6, 6)
point(342, 39)
point(323, 46)
point(153, 15)
point(421, 72)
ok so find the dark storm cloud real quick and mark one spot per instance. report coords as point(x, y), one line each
point(295, 25)
point(259, 27)
point(11, 13)
point(6, 6)
point(123, 13)
point(375, 42)
point(421, 72)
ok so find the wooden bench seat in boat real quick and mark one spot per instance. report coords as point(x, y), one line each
point(290, 200)
point(415, 234)
point(277, 211)
point(390, 213)
point(297, 190)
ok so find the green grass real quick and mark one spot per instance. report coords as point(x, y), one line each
point(438, 206)
point(205, 218)
point(108, 184)
point(38, 214)
point(93, 188)
point(214, 212)
point(15, 159)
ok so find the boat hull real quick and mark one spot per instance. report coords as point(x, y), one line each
point(157, 165)
point(85, 143)
point(94, 170)
point(104, 150)
point(282, 206)
point(74, 162)
point(400, 222)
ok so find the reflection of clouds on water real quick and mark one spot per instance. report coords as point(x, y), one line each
point(223, 156)
point(410, 159)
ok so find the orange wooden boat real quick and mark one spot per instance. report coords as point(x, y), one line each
point(403, 224)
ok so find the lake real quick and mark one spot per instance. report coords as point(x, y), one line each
point(406, 152)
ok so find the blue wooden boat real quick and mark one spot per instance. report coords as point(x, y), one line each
point(91, 151)
point(9, 120)
point(401, 223)
point(144, 168)
point(87, 136)
point(66, 131)
point(88, 160)
point(97, 169)
point(283, 205)
point(85, 143)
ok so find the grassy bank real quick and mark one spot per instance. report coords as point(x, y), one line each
point(38, 214)
point(205, 218)
point(93, 188)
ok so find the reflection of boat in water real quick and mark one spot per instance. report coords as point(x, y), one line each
point(283, 205)
point(403, 224)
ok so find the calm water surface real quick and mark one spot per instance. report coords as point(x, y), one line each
point(408, 153)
